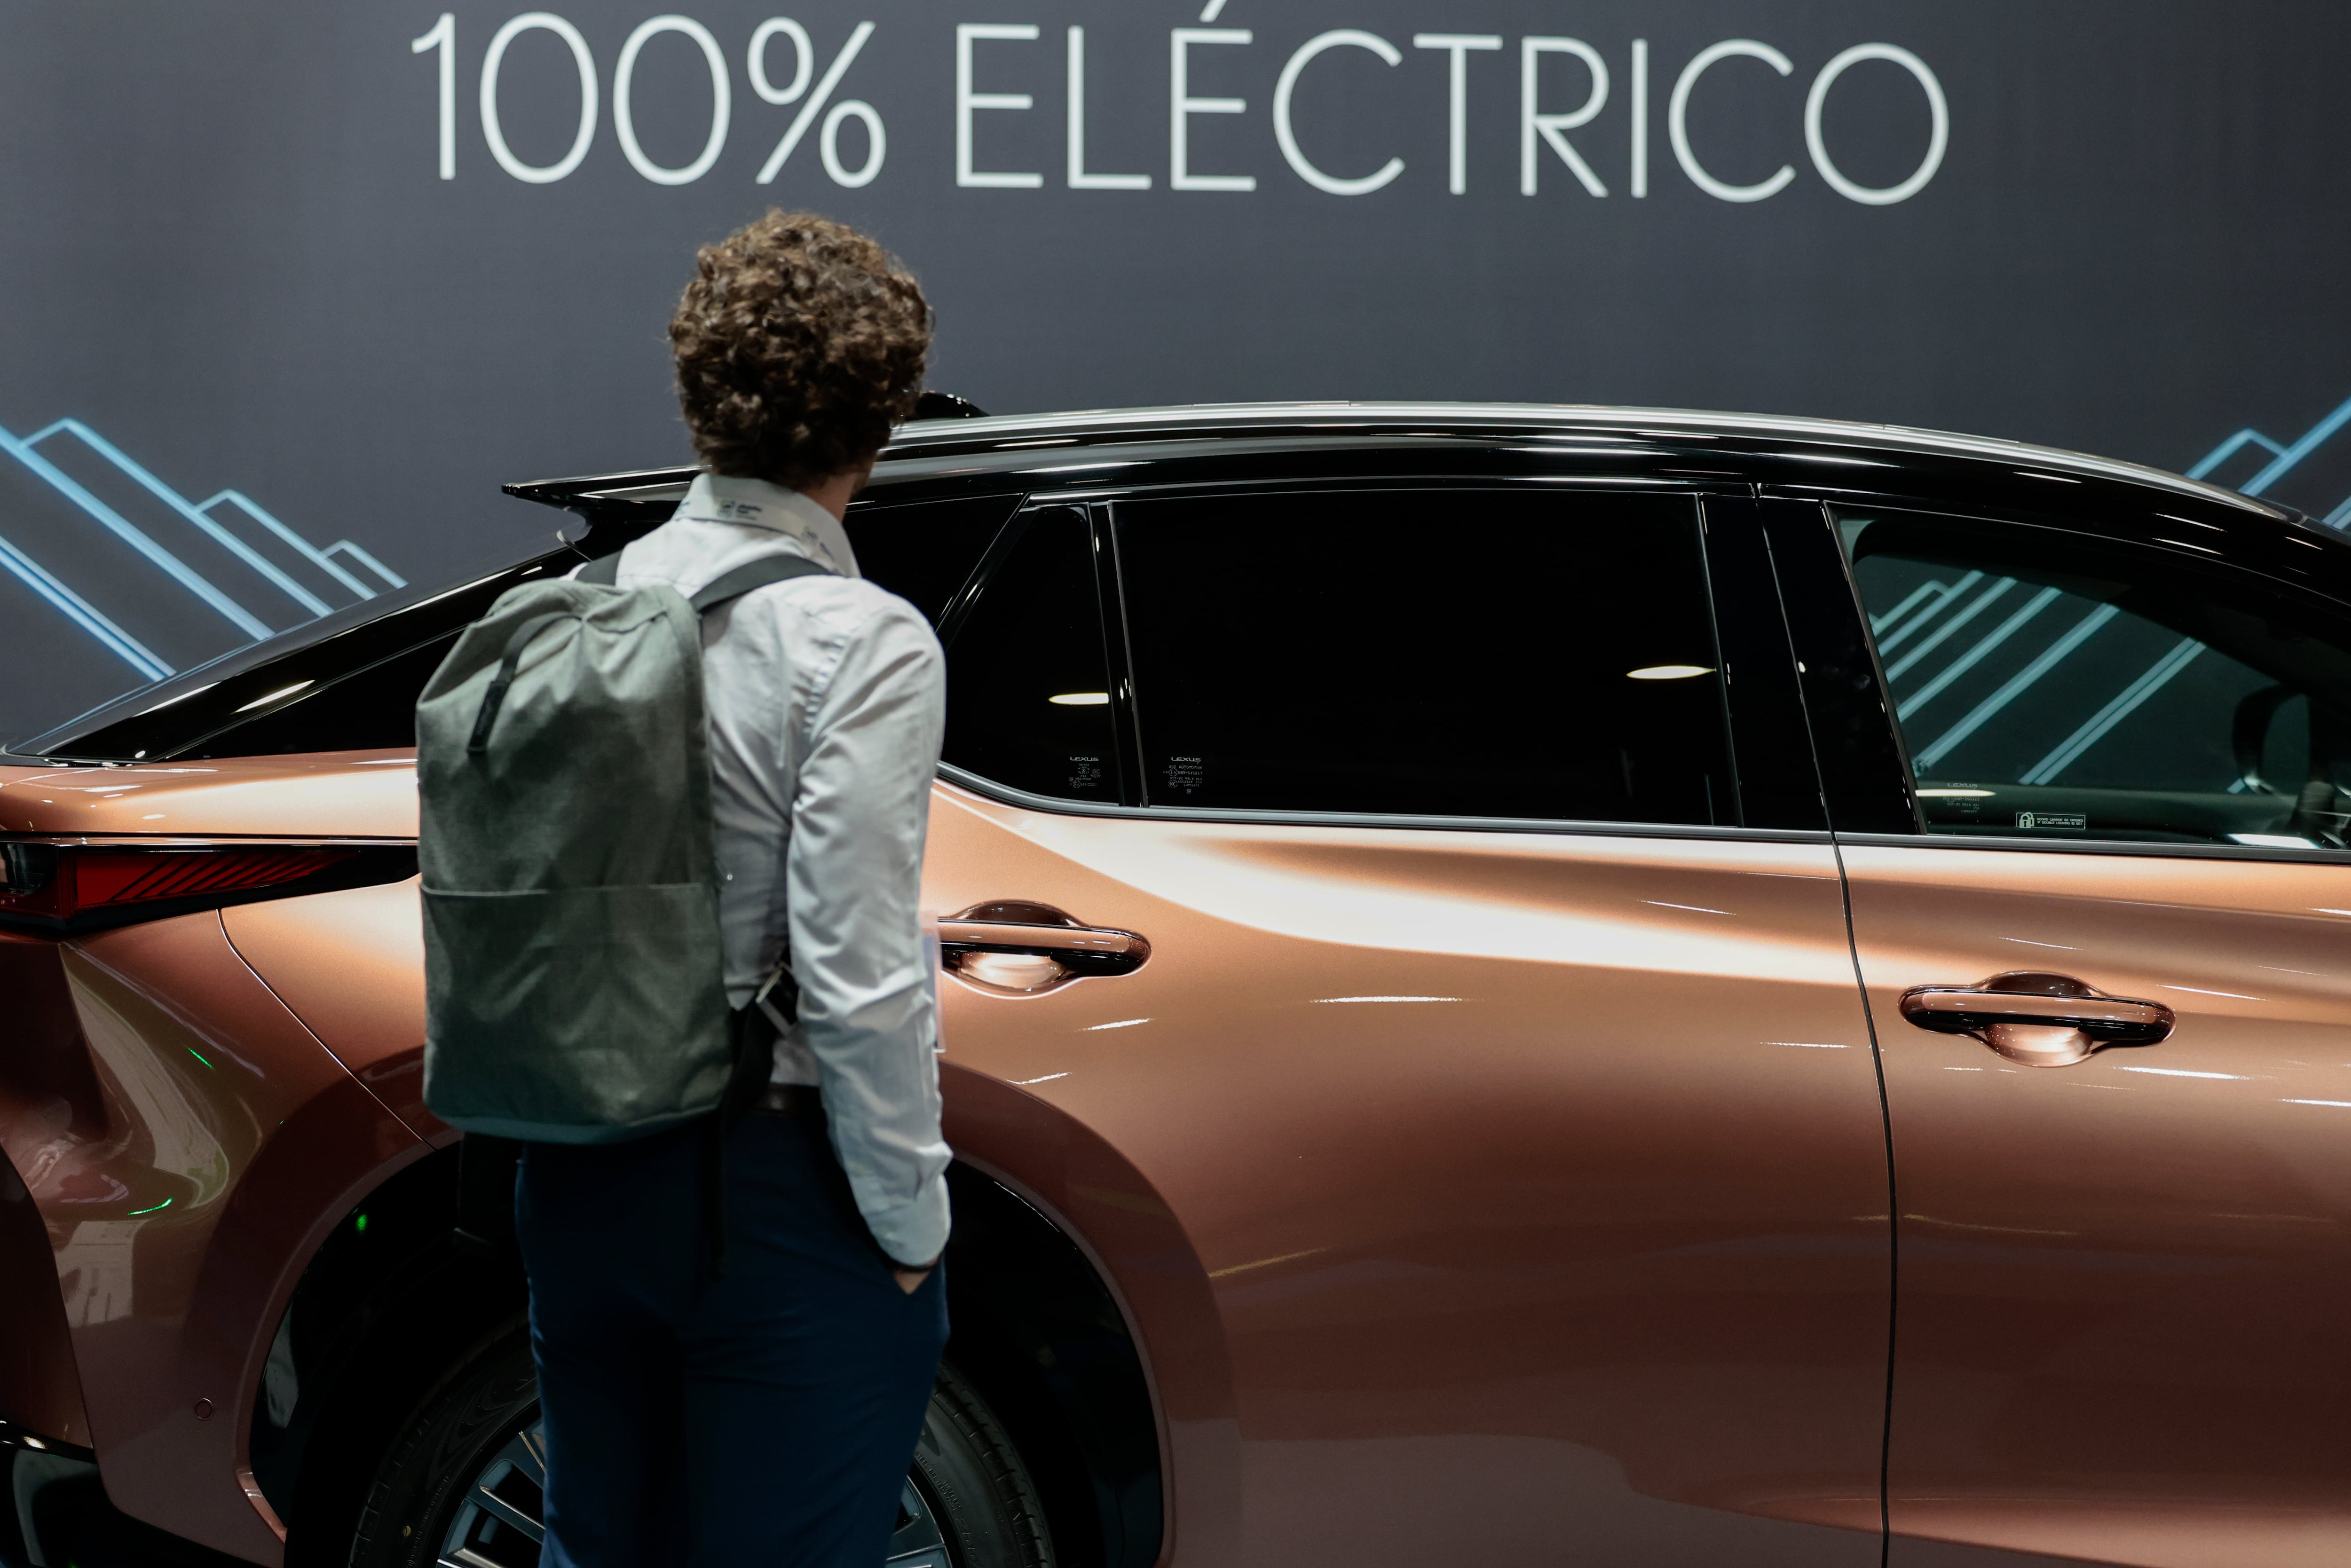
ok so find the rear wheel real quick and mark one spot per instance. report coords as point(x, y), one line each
point(464, 1485)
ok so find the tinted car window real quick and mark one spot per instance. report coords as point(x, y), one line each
point(2057, 688)
point(1454, 652)
point(924, 551)
point(1028, 685)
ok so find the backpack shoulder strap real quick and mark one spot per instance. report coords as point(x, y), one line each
point(604, 571)
point(755, 574)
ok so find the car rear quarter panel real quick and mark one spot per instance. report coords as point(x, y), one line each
point(184, 1141)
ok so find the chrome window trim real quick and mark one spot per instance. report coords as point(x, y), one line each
point(2099, 847)
point(1005, 795)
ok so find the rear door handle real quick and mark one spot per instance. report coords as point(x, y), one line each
point(2041, 1020)
point(1021, 948)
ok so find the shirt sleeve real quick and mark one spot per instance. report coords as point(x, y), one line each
point(853, 872)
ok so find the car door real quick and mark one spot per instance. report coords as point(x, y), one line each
point(2110, 987)
point(1498, 1050)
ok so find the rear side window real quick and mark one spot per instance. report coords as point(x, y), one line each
point(1448, 653)
point(924, 551)
point(1028, 680)
point(2051, 686)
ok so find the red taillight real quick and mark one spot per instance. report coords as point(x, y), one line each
point(72, 885)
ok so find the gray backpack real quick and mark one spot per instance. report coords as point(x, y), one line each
point(573, 968)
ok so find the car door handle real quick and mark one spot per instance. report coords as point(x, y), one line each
point(1021, 948)
point(2041, 1020)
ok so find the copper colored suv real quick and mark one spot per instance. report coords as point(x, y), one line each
point(1525, 985)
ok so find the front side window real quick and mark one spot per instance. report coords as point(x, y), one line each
point(2051, 686)
point(1544, 654)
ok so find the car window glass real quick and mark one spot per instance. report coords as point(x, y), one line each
point(1452, 653)
point(924, 551)
point(1028, 688)
point(2056, 688)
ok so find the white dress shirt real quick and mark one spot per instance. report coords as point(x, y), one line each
point(827, 700)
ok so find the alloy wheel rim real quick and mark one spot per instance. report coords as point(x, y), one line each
point(501, 1522)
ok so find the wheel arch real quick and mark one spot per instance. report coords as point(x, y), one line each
point(394, 1290)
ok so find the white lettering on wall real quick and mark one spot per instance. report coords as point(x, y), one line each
point(1538, 126)
point(803, 55)
point(1640, 117)
point(1456, 46)
point(1078, 179)
point(877, 144)
point(968, 102)
point(493, 133)
point(1936, 143)
point(444, 38)
point(1553, 128)
point(1677, 121)
point(817, 100)
point(624, 125)
point(1343, 37)
point(1181, 106)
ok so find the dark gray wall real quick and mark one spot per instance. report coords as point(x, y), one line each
point(225, 248)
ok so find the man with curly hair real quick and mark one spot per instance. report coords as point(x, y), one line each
point(766, 1416)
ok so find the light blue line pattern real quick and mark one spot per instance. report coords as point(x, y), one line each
point(2312, 440)
point(2125, 704)
point(2019, 683)
point(196, 515)
point(115, 523)
point(1932, 585)
point(321, 559)
point(81, 613)
point(1908, 660)
point(1952, 591)
point(1975, 656)
point(365, 559)
point(2230, 448)
point(2282, 459)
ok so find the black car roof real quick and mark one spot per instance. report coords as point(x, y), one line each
point(1009, 442)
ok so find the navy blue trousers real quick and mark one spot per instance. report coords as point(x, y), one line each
point(765, 1420)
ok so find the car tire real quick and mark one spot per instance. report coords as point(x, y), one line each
point(979, 1493)
point(482, 1405)
point(464, 1472)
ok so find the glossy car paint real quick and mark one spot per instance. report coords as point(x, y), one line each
point(187, 1143)
point(40, 1390)
point(1583, 1269)
point(339, 795)
point(350, 966)
point(1539, 1180)
point(2124, 1282)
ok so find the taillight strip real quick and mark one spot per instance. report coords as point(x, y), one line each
point(69, 884)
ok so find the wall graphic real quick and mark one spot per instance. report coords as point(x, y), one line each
point(370, 259)
point(160, 562)
point(2226, 459)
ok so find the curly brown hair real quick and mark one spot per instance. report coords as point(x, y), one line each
point(799, 344)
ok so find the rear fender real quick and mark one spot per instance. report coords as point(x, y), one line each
point(187, 1142)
